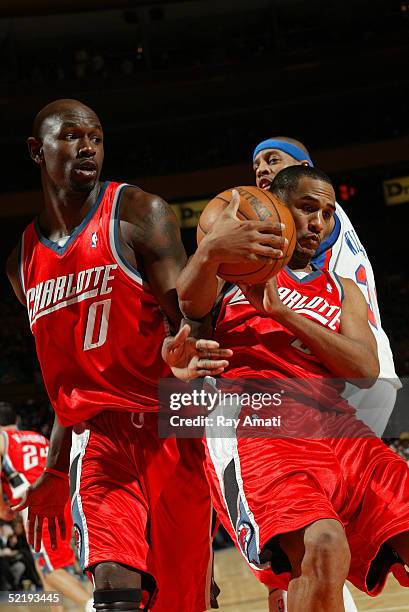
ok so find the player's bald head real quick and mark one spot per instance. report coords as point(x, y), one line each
point(61, 110)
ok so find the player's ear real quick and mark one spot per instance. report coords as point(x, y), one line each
point(35, 148)
point(304, 163)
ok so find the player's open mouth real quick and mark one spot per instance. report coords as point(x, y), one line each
point(264, 183)
point(87, 169)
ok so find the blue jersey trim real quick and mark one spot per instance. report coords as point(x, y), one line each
point(306, 279)
point(116, 237)
point(319, 257)
point(341, 286)
point(60, 250)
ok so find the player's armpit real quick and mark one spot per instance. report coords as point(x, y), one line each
point(150, 228)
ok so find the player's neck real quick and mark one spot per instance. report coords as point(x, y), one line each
point(300, 262)
point(8, 427)
point(65, 210)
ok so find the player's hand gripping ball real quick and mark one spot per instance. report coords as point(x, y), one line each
point(255, 205)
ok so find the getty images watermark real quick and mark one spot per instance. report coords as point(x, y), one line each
point(220, 407)
point(229, 401)
point(290, 407)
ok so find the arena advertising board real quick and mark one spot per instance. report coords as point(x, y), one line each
point(188, 213)
point(396, 190)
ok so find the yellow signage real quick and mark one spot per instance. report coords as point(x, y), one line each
point(188, 213)
point(396, 191)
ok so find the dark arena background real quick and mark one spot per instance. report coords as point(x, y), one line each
point(185, 90)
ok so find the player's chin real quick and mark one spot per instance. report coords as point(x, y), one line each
point(83, 186)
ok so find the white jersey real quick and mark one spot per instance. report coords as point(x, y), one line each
point(343, 253)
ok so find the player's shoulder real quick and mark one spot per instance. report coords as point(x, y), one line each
point(138, 205)
point(350, 289)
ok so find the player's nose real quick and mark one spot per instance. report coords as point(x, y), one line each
point(316, 223)
point(86, 149)
point(263, 169)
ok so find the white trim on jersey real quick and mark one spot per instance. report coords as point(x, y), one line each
point(209, 573)
point(222, 451)
point(133, 274)
point(76, 498)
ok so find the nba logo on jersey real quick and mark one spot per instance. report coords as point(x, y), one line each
point(94, 240)
point(329, 288)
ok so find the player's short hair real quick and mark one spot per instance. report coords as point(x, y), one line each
point(8, 415)
point(287, 180)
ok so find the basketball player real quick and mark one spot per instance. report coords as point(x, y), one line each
point(97, 273)
point(342, 252)
point(23, 456)
point(321, 508)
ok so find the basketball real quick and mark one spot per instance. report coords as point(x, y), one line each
point(255, 205)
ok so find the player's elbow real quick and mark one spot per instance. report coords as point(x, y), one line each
point(369, 373)
point(193, 310)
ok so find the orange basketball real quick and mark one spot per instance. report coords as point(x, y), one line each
point(255, 204)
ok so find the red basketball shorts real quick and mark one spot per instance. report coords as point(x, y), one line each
point(264, 487)
point(49, 559)
point(144, 502)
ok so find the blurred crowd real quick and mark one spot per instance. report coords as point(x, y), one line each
point(17, 567)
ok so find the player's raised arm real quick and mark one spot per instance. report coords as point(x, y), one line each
point(229, 241)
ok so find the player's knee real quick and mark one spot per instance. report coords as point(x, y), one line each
point(111, 575)
point(327, 555)
point(117, 600)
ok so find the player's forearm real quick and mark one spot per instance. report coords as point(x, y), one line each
point(344, 357)
point(60, 446)
point(198, 285)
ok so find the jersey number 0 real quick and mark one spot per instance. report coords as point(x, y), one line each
point(97, 324)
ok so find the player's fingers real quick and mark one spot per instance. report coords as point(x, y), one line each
point(215, 354)
point(265, 254)
point(202, 372)
point(52, 531)
point(179, 339)
point(271, 240)
point(182, 334)
point(266, 227)
point(209, 364)
point(62, 527)
point(205, 345)
point(233, 205)
point(38, 532)
point(31, 520)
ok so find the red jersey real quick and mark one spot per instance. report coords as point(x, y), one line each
point(25, 455)
point(263, 348)
point(97, 326)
